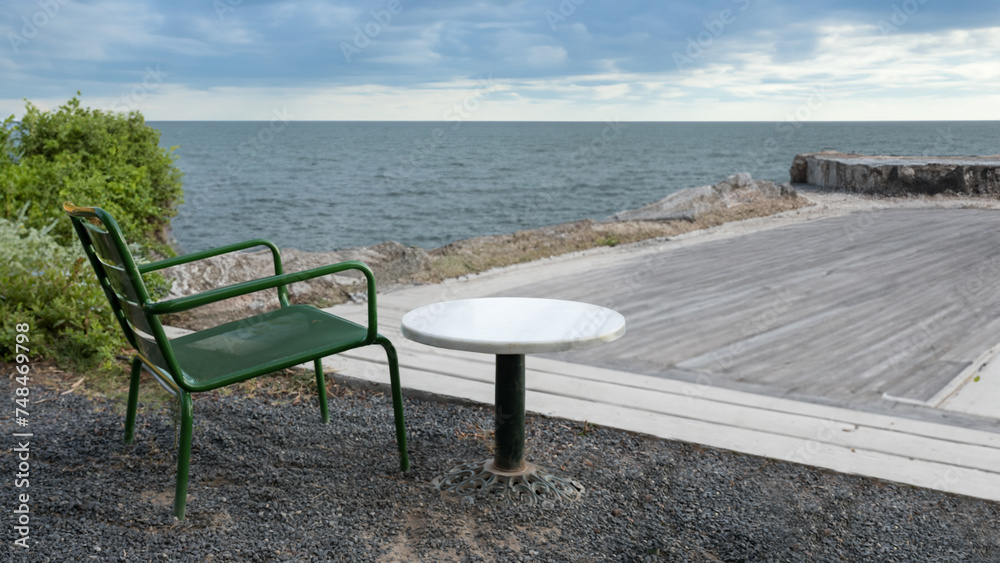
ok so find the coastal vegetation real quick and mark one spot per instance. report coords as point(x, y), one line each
point(88, 157)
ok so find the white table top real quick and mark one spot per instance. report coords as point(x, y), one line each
point(513, 325)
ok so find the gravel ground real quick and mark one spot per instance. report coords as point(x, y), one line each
point(269, 482)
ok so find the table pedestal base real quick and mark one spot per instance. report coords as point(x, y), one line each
point(531, 485)
point(508, 477)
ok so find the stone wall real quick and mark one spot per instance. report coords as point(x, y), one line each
point(899, 175)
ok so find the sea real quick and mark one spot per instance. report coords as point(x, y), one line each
point(320, 186)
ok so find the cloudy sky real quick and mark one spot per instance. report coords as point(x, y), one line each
point(753, 60)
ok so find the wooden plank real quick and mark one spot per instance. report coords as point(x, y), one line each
point(642, 383)
point(842, 309)
point(702, 407)
point(480, 368)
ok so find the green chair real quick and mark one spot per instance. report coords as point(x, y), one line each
point(229, 353)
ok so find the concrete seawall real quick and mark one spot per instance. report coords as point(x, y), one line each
point(899, 175)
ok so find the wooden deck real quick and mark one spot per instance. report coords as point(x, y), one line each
point(873, 311)
point(780, 343)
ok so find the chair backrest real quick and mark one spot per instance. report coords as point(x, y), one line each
point(117, 272)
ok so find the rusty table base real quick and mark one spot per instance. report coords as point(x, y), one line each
point(531, 485)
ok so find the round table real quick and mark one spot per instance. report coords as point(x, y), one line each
point(510, 327)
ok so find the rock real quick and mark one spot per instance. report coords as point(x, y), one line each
point(734, 182)
point(906, 174)
point(690, 204)
point(899, 175)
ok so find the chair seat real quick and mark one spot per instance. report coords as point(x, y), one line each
point(267, 342)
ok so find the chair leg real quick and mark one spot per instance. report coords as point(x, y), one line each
point(397, 401)
point(133, 400)
point(183, 454)
point(321, 389)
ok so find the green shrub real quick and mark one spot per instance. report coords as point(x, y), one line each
point(91, 158)
point(53, 288)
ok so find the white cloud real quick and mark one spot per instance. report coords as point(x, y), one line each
point(949, 75)
point(611, 91)
point(864, 73)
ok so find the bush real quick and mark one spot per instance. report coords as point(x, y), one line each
point(54, 290)
point(88, 157)
point(91, 158)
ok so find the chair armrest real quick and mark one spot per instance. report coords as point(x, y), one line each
point(211, 296)
point(201, 255)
